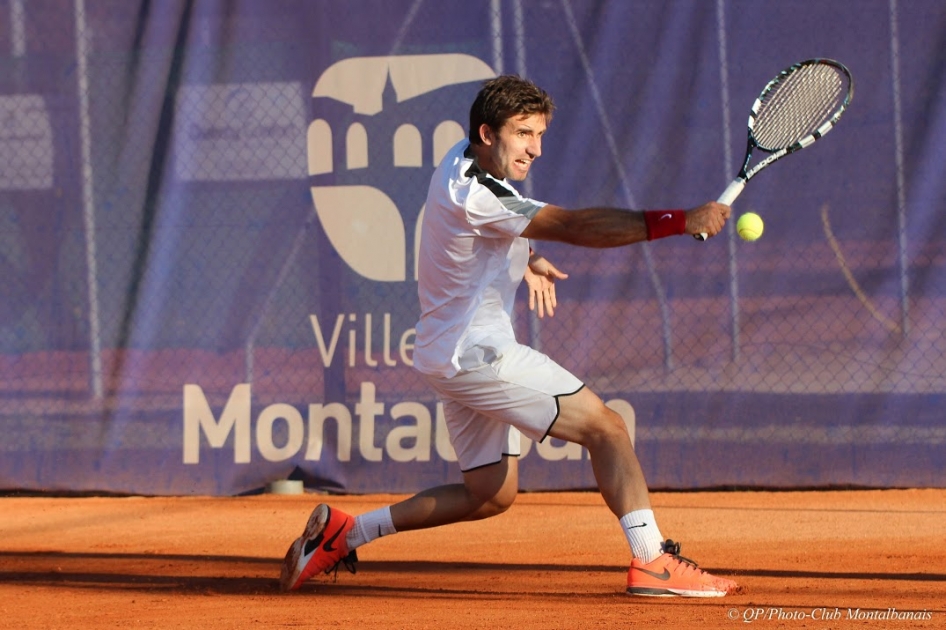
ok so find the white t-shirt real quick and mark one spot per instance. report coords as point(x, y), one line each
point(470, 262)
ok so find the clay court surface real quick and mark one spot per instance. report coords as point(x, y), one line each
point(859, 559)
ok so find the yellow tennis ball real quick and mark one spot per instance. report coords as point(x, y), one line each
point(750, 226)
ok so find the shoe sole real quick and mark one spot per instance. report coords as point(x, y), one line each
point(289, 577)
point(671, 592)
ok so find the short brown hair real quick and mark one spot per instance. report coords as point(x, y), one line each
point(505, 97)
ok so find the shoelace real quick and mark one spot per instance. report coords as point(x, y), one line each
point(673, 548)
point(349, 562)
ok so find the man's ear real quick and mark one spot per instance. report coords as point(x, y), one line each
point(486, 134)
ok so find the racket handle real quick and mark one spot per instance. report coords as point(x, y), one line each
point(732, 191)
point(729, 195)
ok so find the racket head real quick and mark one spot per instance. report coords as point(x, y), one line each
point(800, 105)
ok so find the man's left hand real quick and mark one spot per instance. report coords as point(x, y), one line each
point(540, 278)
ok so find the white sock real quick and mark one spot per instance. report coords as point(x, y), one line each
point(640, 529)
point(369, 526)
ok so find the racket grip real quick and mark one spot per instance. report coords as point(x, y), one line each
point(729, 195)
point(732, 191)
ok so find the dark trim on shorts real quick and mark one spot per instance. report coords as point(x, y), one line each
point(491, 463)
point(558, 410)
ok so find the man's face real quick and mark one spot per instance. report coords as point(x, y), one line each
point(511, 151)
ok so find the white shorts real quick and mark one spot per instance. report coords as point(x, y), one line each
point(487, 407)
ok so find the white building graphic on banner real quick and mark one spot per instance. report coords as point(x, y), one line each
point(362, 222)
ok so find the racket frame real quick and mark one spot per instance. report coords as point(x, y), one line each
point(745, 173)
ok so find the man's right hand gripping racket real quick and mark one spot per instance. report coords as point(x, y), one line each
point(796, 108)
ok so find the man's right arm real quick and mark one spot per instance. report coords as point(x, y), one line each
point(614, 227)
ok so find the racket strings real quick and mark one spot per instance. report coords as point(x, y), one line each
point(797, 105)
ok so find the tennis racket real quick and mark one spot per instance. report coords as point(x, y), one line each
point(796, 108)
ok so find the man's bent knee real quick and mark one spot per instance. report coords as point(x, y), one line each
point(494, 487)
point(615, 424)
point(585, 419)
point(497, 504)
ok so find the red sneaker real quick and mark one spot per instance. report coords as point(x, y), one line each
point(320, 549)
point(673, 575)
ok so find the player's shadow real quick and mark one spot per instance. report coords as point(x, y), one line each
point(218, 573)
point(835, 575)
point(226, 574)
point(145, 571)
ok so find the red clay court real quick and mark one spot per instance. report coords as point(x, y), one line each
point(838, 559)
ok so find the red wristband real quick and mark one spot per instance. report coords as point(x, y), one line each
point(661, 223)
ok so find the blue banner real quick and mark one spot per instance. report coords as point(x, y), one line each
point(209, 217)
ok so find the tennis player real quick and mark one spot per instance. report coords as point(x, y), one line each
point(474, 252)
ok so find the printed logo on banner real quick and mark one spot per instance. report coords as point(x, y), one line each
point(395, 102)
point(26, 143)
point(239, 132)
